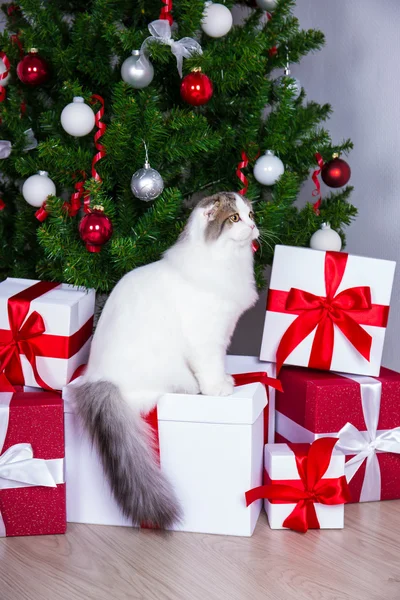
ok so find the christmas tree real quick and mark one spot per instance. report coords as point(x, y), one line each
point(204, 133)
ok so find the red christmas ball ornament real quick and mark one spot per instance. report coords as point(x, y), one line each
point(95, 229)
point(33, 69)
point(336, 173)
point(196, 88)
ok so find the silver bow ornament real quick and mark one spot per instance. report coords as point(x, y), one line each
point(5, 148)
point(161, 34)
point(365, 444)
point(18, 467)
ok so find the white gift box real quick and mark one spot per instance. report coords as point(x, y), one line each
point(280, 465)
point(211, 449)
point(67, 314)
point(305, 269)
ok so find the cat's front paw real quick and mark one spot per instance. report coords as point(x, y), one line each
point(219, 388)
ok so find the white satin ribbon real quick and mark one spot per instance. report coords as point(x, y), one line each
point(365, 444)
point(161, 33)
point(18, 467)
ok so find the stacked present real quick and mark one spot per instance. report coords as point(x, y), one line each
point(328, 312)
point(335, 413)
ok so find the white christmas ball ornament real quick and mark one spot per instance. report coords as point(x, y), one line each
point(37, 188)
point(268, 168)
point(3, 68)
point(217, 20)
point(77, 118)
point(268, 5)
point(137, 70)
point(326, 239)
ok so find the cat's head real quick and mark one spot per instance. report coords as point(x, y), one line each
point(226, 216)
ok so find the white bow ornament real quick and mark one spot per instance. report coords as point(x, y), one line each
point(161, 33)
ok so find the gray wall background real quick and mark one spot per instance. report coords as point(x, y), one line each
point(357, 72)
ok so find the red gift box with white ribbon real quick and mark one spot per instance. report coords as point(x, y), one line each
point(45, 331)
point(32, 488)
point(327, 310)
point(363, 412)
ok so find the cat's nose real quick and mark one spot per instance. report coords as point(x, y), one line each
point(252, 226)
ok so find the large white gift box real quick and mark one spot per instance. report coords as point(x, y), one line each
point(280, 467)
point(45, 331)
point(211, 449)
point(327, 310)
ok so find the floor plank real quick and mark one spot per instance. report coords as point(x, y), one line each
point(361, 562)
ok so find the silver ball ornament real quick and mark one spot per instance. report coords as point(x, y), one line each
point(147, 183)
point(268, 168)
point(294, 84)
point(268, 5)
point(137, 70)
point(326, 239)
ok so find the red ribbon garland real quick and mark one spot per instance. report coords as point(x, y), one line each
point(99, 133)
point(26, 336)
point(242, 165)
point(74, 205)
point(166, 12)
point(312, 462)
point(317, 191)
point(347, 310)
point(41, 214)
point(3, 75)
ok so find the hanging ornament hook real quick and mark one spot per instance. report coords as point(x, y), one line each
point(146, 160)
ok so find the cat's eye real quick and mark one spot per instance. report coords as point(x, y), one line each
point(251, 215)
point(234, 218)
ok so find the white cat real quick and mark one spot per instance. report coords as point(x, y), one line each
point(166, 328)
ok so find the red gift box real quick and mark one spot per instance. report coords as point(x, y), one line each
point(364, 412)
point(32, 488)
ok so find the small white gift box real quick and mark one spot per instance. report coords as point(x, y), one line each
point(45, 331)
point(327, 310)
point(211, 450)
point(281, 469)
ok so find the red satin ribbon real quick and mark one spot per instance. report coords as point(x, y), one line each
point(242, 165)
point(41, 214)
point(101, 151)
point(312, 463)
point(347, 310)
point(27, 336)
point(166, 12)
point(317, 191)
point(74, 205)
point(2, 204)
point(3, 75)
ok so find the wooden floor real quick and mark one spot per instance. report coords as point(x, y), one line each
point(361, 562)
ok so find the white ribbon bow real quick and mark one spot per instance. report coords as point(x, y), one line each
point(365, 445)
point(161, 33)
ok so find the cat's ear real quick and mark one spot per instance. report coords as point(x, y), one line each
point(210, 211)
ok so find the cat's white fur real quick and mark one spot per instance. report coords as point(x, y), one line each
point(166, 326)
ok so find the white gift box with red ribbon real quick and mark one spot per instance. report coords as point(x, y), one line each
point(211, 449)
point(45, 331)
point(327, 310)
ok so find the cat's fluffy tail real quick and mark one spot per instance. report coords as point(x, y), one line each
point(139, 487)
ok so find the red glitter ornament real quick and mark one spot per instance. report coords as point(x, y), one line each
point(336, 173)
point(196, 88)
point(95, 229)
point(33, 69)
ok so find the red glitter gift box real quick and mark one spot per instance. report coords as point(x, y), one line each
point(364, 412)
point(32, 488)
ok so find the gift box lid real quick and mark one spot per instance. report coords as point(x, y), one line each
point(65, 308)
point(361, 270)
point(280, 463)
point(243, 407)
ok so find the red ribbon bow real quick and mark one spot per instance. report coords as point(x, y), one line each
point(74, 205)
point(311, 462)
point(346, 310)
